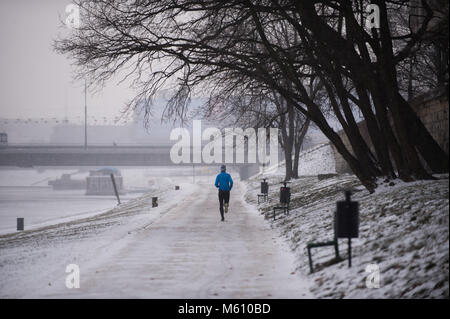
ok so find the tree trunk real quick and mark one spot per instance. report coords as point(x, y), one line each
point(298, 144)
point(428, 148)
point(363, 174)
point(287, 142)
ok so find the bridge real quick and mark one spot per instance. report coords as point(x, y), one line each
point(101, 155)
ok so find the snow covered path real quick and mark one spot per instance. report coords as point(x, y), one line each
point(189, 253)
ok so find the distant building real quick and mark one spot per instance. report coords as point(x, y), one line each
point(25, 132)
point(99, 182)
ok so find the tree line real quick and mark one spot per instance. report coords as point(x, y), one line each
point(286, 63)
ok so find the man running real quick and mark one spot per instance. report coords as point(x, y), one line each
point(224, 183)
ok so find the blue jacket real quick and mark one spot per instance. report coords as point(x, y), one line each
point(224, 182)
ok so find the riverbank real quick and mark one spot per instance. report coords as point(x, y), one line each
point(33, 262)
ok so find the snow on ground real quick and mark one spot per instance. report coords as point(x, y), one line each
point(178, 250)
point(41, 206)
point(404, 230)
point(24, 192)
point(181, 250)
point(33, 261)
point(316, 160)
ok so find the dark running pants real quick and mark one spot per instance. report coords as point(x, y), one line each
point(224, 196)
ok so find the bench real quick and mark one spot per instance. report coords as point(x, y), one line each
point(285, 210)
point(285, 199)
point(333, 242)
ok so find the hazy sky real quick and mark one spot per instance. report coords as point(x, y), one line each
point(35, 81)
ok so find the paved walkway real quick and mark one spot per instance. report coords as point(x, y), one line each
point(189, 253)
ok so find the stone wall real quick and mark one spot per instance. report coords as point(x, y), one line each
point(433, 111)
point(432, 108)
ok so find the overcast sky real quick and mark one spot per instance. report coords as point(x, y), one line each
point(35, 81)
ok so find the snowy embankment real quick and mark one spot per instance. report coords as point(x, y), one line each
point(25, 193)
point(404, 230)
point(316, 160)
point(36, 256)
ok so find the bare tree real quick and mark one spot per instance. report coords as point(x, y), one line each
point(198, 44)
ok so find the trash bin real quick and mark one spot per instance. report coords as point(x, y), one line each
point(264, 187)
point(347, 218)
point(285, 195)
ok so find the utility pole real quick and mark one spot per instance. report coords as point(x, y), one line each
point(85, 114)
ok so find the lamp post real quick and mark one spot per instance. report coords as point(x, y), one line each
point(85, 114)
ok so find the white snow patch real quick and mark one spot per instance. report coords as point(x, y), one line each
point(404, 229)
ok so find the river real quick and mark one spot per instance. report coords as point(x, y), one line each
point(24, 192)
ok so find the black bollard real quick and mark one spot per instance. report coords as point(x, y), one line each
point(20, 224)
point(154, 201)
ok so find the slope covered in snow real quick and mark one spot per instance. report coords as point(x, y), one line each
point(316, 160)
point(404, 231)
